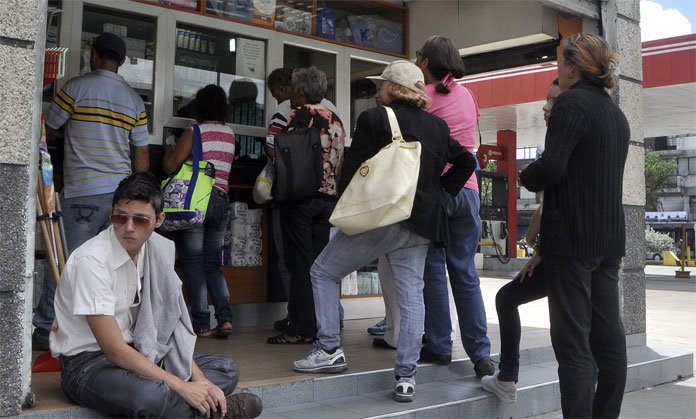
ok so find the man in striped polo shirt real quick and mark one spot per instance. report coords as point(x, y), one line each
point(102, 116)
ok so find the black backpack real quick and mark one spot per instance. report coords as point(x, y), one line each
point(298, 164)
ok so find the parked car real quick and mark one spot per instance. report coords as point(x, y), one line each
point(653, 255)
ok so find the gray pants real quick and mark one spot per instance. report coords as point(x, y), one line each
point(93, 381)
point(405, 251)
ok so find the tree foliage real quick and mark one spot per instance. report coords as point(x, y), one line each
point(656, 242)
point(657, 171)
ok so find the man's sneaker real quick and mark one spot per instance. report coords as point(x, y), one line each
point(320, 360)
point(426, 355)
point(483, 367)
point(405, 389)
point(378, 329)
point(243, 405)
point(491, 383)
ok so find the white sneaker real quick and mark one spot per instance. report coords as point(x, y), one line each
point(490, 383)
point(320, 361)
point(405, 389)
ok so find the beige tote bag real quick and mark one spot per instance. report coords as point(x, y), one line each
point(381, 192)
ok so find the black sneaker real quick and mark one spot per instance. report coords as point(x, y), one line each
point(381, 343)
point(282, 325)
point(243, 405)
point(426, 355)
point(483, 367)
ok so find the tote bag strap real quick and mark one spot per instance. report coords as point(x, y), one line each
point(393, 124)
point(197, 157)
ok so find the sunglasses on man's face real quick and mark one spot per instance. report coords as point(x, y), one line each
point(138, 220)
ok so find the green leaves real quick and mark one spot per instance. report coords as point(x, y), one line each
point(657, 171)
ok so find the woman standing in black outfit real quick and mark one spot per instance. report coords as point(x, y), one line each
point(582, 228)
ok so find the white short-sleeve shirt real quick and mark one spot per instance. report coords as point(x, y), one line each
point(99, 279)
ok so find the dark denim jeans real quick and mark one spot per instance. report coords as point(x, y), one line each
point(457, 260)
point(93, 381)
point(199, 252)
point(507, 300)
point(83, 218)
point(585, 323)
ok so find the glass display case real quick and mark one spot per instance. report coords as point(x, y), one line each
point(233, 62)
point(138, 32)
point(53, 18)
point(298, 57)
point(362, 90)
point(379, 25)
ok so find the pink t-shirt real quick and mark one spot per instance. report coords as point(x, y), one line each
point(460, 111)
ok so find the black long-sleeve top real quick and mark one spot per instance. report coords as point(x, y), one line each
point(581, 173)
point(372, 132)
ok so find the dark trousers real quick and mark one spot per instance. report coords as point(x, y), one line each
point(507, 300)
point(586, 322)
point(93, 381)
point(306, 228)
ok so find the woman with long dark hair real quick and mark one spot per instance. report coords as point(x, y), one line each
point(441, 64)
point(199, 248)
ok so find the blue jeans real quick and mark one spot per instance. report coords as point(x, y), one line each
point(199, 252)
point(406, 253)
point(91, 380)
point(83, 218)
point(457, 260)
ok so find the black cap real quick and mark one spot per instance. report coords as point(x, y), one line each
point(111, 46)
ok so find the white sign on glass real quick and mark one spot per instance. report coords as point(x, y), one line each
point(250, 58)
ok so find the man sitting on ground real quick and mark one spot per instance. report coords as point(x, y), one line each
point(122, 331)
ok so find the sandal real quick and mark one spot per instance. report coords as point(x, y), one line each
point(223, 332)
point(205, 334)
point(285, 339)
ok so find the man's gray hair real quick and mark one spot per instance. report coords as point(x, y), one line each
point(311, 81)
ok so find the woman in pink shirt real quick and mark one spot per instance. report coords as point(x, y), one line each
point(441, 64)
point(199, 248)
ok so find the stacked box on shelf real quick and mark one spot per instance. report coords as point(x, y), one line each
point(361, 283)
point(242, 243)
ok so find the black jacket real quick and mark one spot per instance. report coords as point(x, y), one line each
point(581, 173)
point(372, 132)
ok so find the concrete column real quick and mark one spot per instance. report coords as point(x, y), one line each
point(22, 38)
point(620, 24)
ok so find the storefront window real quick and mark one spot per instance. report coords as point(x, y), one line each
point(139, 34)
point(362, 90)
point(296, 57)
point(235, 63)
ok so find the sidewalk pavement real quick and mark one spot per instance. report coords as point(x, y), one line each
point(670, 306)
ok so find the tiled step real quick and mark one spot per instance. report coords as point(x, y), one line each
point(441, 391)
point(453, 391)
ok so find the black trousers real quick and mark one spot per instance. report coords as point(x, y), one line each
point(306, 228)
point(507, 300)
point(586, 322)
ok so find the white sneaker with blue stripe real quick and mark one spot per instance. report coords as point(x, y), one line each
point(378, 329)
point(319, 361)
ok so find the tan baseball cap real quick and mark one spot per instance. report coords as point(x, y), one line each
point(401, 72)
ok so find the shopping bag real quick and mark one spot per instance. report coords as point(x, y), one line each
point(186, 192)
point(382, 190)
point(264, 184)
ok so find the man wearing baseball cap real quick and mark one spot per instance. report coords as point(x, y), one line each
point(102, 117)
